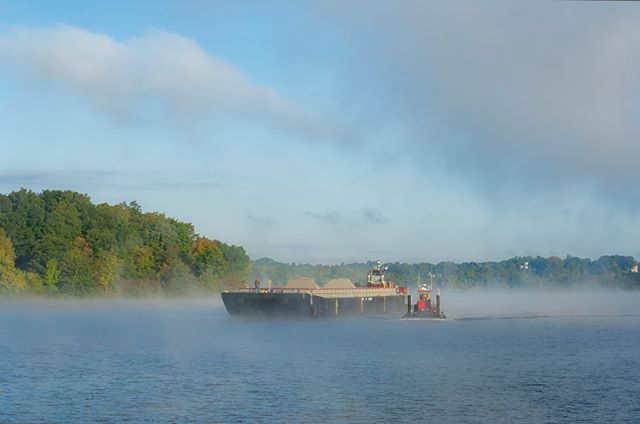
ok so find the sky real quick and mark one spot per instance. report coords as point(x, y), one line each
point(337, 131)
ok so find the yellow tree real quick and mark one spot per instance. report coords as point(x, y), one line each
point(77, 267)
point(51, 274)
point(11, 279)
point(107, 267)
point(143, 261)
point(207, 257)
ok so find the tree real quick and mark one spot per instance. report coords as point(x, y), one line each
point(238, 264)
point(63, 242)
point(184, 235)
point(51, 274)
point(77, 268)
point(106, 270)
point(22, 215)
point(62, 227)
point(11, 279)
point(108, 227)
point(207, 256)
point(143, 261)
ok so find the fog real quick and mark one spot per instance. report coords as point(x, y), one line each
point(538, 303)
point(469, 304)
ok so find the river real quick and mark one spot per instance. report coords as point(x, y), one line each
point(509, 357)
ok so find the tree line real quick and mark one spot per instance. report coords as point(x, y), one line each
point(60, 242)
point(612, 271)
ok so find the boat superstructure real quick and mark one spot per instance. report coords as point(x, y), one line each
point(424, 307)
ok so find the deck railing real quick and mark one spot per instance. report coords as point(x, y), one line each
point(320, 290)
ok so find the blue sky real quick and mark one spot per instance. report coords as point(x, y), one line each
point(330, 132)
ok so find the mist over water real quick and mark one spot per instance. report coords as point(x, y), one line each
point(483, 304)
point(506, 357)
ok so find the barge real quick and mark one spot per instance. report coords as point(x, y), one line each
point(302, 298)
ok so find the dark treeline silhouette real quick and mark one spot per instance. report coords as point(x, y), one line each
point(60, 242)
point(570, 272)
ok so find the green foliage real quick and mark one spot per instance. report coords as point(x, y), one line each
point(51, 275)
point(184, 235)
point(237, 262)
point(77, 276)
point(35, 284)
point(206, 256)
point(22, 216)
point(59, 242)
point(143, 261)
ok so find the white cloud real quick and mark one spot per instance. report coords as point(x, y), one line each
point(158, 71)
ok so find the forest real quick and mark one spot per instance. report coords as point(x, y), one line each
point(59, 242)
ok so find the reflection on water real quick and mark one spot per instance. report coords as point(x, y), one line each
point(502, 357)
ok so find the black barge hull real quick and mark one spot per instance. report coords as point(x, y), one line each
point(304, 305)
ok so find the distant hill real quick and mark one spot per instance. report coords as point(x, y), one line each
point(524, 271)
point(60, 242)
point(265, 261)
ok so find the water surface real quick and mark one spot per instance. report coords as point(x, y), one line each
point(500, 358)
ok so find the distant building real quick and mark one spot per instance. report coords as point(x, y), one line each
point(525, 267)
point(634, 269)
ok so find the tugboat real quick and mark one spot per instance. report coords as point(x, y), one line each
point(424, 308)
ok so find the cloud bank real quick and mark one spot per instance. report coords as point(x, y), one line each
point(159, 72)
point(509, 93)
